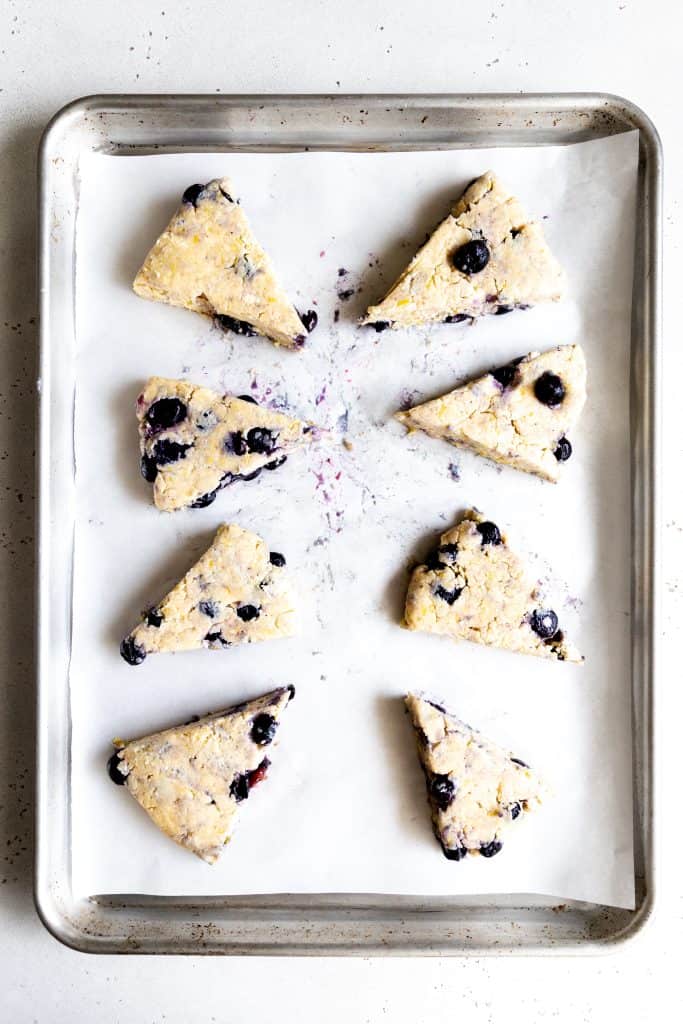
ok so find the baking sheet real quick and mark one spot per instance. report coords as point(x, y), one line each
point(344, 808)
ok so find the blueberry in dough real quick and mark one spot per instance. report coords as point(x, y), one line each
point(263, 729)
point(549, 389)
point(229, 323)
point(491, 849)
point(247, 612)
point(472, 257)
point(167, 452)
point(114, 769)
point(544, 623)
point(132, 652)
point(192, 194)
point(166, 413)
point(442, 790)
point(563, 450)
point(490, 534)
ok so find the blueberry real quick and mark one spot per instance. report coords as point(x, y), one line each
point(132, 652)
point(309, 320)
point(449, 596)
point(235, 443)
point(441, 557)
point(261, 440)
point(490, 534)
point(292, 691)
point(544, 623)
point(456, 318)
point(226, 195)
point(154, 617)
point(115, 773)
point(516, 760)
point(299, 340)
point(209, 608)
point(216, 637)
point(441, 790)
point(247, 612)
point(433, 561)
point(239, 788)
point(148, 468)
point(515, 231)
point(563, 450)
point(204, 499)
point(277, 559)
point(549, 389)
point(247, 398)
point(276, 463)
point(472, 257)
point(192, 194)
point(263, 729)
point(167, 452)
point(165, 413)
point(228, 323)
point(502, 310)
point(506, 375)
point(380, 325)
point(515, 811)
point(251, 476)
point(552, 641)
point(454, 853)
point(491, 849)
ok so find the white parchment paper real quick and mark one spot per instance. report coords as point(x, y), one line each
point(344, 808)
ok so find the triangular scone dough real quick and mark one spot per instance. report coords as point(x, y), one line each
point(238, 592)
point(473, 587)
point(518, 414)
point(190, 779)
point(194, 442)
point(207, 260)
point(475, 788)
point(504, 264)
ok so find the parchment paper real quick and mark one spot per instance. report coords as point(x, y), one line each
point(344, 808)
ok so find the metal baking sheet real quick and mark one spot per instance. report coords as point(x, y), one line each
point(317, 923)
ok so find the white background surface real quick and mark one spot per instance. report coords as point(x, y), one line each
point(349, 523)
point(51, 55)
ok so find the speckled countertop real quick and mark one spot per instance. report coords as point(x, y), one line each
point(47, 59)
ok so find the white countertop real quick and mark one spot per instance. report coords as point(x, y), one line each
point(51, 54)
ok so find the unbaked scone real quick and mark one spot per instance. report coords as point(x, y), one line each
point(473, 587)
point(194, 442)
point(208, 260)
point(475, 788)
point(519, 414)
point(485, 257)
point(190, 779)
point(237, 593)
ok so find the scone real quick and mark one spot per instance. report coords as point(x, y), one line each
point(519, 414)
point(473, 587)
point(191, 779)
point(485, 257)
point(237, 593)
point(476, 789)
point(208, 260)
point(194, 442)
